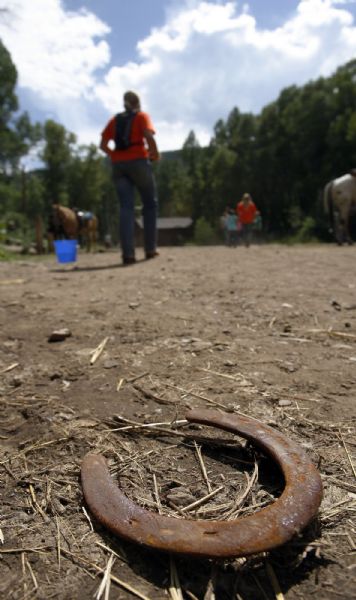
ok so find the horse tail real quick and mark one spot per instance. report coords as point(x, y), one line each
point(328, 204)
point(95, 229)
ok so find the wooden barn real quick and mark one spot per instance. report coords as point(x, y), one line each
point(172, 231)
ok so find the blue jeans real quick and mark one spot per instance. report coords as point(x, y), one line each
point(127, 176)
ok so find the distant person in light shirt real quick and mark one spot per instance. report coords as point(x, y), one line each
point(231, 226)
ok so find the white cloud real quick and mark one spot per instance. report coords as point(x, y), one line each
point(55, 51)
point(343, 2)
point(208, 57)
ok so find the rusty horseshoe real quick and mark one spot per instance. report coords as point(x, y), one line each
point(264, 530)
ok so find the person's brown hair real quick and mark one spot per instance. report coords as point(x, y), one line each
point(132, 101)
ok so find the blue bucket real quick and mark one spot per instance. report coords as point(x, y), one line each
point(66, 250)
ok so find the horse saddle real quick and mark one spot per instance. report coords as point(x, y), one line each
point(84, 215)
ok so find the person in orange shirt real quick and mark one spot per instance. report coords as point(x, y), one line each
point(246, 211)
point(132, 134)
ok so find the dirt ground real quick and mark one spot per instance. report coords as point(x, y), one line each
point(269, 331)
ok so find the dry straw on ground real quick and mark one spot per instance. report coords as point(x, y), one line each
point(170, 467)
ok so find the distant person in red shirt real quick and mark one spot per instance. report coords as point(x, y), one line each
point(132, 134)
point(246, 211)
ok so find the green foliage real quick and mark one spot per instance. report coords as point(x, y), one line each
point(9, 196)
point(86, 178)
point(6, 255)
point(17, 135)
point(204, 234)
point(3, 231)
point(8, 105)
point(16, 229)
point(35, 196)
point(174, 188)
point(221, 188)
point(303, 228)
point(57, 156)
point(306, 232)
point(8, 79)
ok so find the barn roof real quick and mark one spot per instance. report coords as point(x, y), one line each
point(169, 222)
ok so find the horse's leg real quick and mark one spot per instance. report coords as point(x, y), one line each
point(50, 244)
point(338, 229)
point(345, 223)
point(86, 236)
point(348, 237)
point(93, 238)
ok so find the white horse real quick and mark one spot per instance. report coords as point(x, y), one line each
point(339, 203)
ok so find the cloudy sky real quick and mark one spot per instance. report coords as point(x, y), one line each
point(191, 61)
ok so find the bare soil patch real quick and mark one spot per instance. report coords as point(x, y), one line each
point(269, 331)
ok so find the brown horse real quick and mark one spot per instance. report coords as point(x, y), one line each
point(72, 225)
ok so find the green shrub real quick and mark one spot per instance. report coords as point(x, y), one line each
point(306, 232)
point(204, 234)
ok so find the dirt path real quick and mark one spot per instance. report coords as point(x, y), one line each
point(269, 331)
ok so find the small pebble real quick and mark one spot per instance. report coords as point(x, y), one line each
point(59, 335)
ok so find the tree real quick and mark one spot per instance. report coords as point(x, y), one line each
point(174, 188)
point(17, 134)
point(8, 105)
point(220, 182)
point(8, 78)
point(193, 158)
point(86, 178)
point(57, 156)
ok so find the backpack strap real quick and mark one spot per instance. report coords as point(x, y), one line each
point(123, 124)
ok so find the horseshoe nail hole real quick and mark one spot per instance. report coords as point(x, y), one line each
point(210, 532)
point(133, 521)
